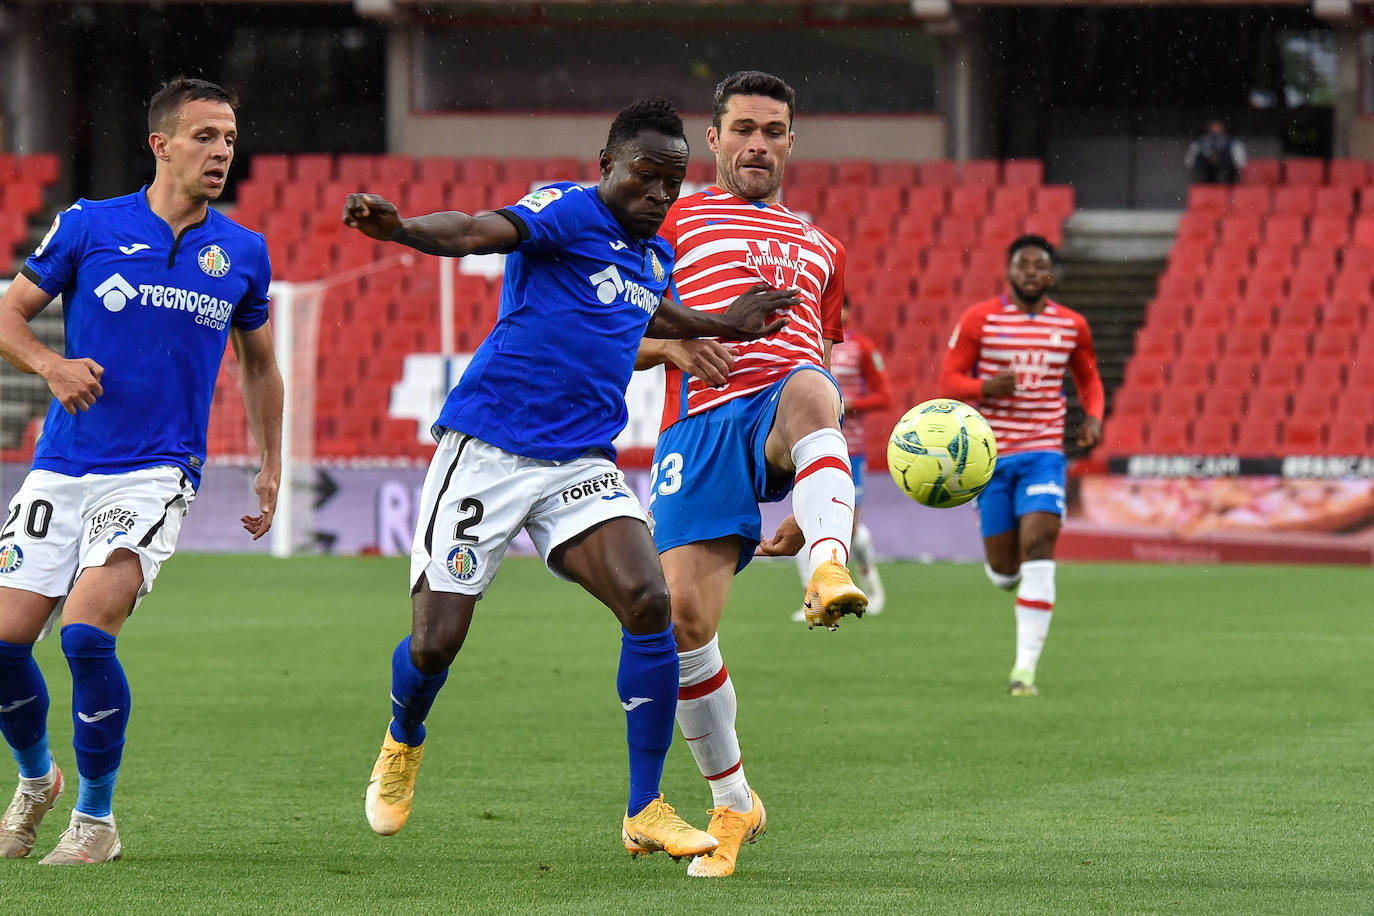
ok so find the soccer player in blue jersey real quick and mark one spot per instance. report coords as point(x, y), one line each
point(153, 284)
point(525, 442)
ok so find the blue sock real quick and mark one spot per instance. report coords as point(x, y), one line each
point(100, 713)
point(647, 682)
point(412, 695)
point(24, 709)
point(95, 796)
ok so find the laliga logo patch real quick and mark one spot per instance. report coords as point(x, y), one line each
point(538, 200)
point(42, 246)
point(11, 558)
point(213, 260)
point(462, 563)
point(658, 268)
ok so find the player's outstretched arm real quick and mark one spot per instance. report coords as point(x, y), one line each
point(708, 360)
point(749, 317)
point(449, 234)
point(262, 399)
point(74, 382)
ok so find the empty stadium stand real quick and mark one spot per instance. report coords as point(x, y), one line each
point(1259, 338)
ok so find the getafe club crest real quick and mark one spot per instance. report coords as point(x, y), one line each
point(462, 563)
point(11, 558)
point(657, 267)
point(213, 260)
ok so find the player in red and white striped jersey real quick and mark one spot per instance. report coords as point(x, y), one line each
point(772, 426)
point(1008, 356)
point(858, 367)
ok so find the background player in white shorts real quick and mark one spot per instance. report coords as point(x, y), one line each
point(153, 284)
point(525, 442)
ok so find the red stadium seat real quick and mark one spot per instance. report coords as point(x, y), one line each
point(1260, 172)
point(314, 168)
point(1158, 345)
point(954, 231)
point(1054, 200)
point(1299, 200)
point(1307, 171)
point(1244, 344)
point(1188, 259)
point(1312, 401)
point(895, 173)
point(1190, 374)
point(1133, 402)
point(1348, 438)
point(1257, 436)
point(1264, 287)
point(968, 202)
point(1213, 199)
point(355, 169)
point(270, 167)
point(1168, 437)
point(1124, 437)
point(1288, 344)
point(939, 173)
point(1167, 314)
point(1197, 229)
point(1213, 435)
point(1316, 259)
point(1234, 373)
point(1351, 173)
point(1145, 374)
point(1253, 313)
point(1240, 229)
point(481, 171)
point(1177, 287)
point(1221, 289)
point(1210, 316)
point(980, 173)
point(1023, 172)
point(1303, 435)
point(1250, 201)
point(854, 171)
point(1363, 235)
point(1357, 400)
point(1012, 201)
point(1279, 374)
point(1308, 290)
point(1333, 201)
point(1230, 260)
point(1326, 372)
point(1200, 345)
point(998, 231)
point(1223, 403)
point(1047, 226)
point(1284, 229)
point(1329, 229)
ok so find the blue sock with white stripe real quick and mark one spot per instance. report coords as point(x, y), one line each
point(412, 696)
point(647, 682)
point(100, 713)
point(24, 709)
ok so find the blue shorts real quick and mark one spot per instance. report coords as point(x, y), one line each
point(1023, 483)
point(710, 474)
point(857, 465)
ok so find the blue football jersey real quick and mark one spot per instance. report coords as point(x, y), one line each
point(155, 311)
point(549, 381)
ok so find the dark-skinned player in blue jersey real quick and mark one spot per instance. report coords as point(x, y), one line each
point(525, 442)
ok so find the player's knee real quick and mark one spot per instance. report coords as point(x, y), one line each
point(1004, 578)
point(1040, 546)
point(647, 610)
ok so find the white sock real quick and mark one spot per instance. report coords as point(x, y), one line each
point(1034, 608)
point(1002, 581)
point(706, 708)
point(861, 549)
point(40, 783)
point(823, 496)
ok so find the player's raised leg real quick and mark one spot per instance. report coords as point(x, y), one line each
point(616, 562)
point(419, 667)
point(95, 611)
point(806, 440)
point(23, 721)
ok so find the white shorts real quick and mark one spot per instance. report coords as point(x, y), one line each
point(477, 497)
point(59, 525)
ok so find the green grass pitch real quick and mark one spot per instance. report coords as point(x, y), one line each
point(1202, 745)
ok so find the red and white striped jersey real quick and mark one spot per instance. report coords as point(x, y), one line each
point(996, 335)
point(858, 367)
point(724, 245)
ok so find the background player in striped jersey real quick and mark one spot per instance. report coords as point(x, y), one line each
point(153, 285)
point(858, 367)
point(525, 442)
point(771, 427)
point(1007, 356)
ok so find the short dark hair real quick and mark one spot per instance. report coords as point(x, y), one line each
point(646, 114)
point(1030, 241)
point(751, 82)
point(166, 103)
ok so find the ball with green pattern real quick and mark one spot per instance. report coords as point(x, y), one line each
point(942, 453)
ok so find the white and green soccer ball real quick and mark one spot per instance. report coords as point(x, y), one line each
point(942, 453)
